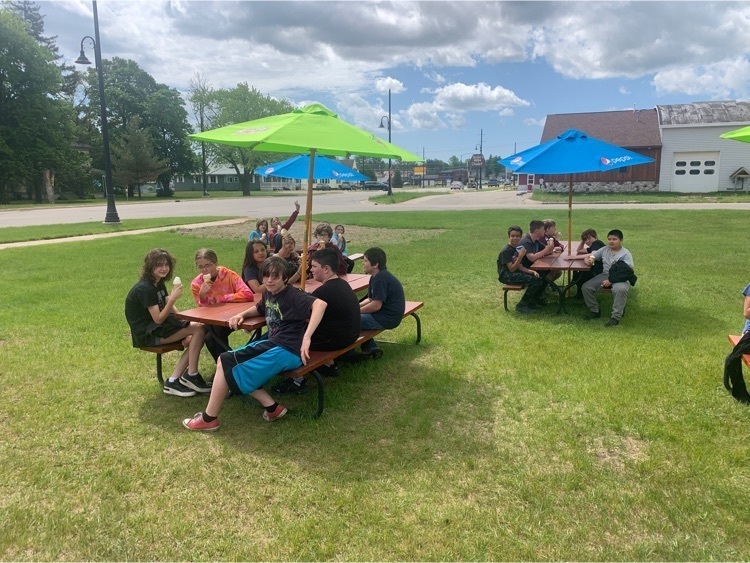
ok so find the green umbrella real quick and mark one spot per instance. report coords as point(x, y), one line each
point(738, 135)
point(313, 129)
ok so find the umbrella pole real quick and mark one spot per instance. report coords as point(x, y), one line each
point(570, 214)
point(308, 218)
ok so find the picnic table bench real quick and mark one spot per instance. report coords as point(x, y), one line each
point(734, 339)
point(321, 357)
point(160, 349)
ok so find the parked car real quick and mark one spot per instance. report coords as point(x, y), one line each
point(372, 185)
point(493, 184)
point(322, 187)
point(456, 185)
point(346, 186)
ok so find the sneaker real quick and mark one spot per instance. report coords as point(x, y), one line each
point(278, 413)
point(373, 353)
point(524, 309)
point(197, 423)
point(178, 389)
point(329, 371)
point(612, 322)
point(593, 315)
point(196, 383)
point(291, 387)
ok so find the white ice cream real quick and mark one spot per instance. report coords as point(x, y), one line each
point(177, 281)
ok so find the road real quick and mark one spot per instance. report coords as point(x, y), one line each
point(268, 206)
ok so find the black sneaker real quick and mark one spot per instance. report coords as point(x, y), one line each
point(196, 383)
point(373, 353)
point(291, 387)
point(524, 309)
point(329, 371)
point(178, 389)
point(593, 315)
point(612, 322)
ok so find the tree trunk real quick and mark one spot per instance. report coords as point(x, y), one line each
point(48, 178)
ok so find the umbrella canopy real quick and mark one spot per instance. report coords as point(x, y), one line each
point(298, 167)
point(313, 129)
point(573, 152)
point(738, 135)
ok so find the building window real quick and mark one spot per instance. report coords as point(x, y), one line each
point(708, 171)
point(212, 179)
point(680, 163)
point(695, 163)
point(679, 172)
point(710, 163)
point(695, 172)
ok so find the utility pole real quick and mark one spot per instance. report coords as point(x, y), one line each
point(479, 185)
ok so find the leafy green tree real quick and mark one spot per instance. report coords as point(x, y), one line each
point(134, 161)
point(37, 128)
point(235, 105)
point(397, 181)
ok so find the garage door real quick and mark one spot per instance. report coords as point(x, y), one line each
point(695, 171)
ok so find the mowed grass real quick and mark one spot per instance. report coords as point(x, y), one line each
point(399, 197)
point(44, 232)
point(644, 197)
point(500, 437)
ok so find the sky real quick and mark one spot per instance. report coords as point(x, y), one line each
point(459, 72)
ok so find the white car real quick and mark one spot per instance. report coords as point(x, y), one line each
point(457, 185)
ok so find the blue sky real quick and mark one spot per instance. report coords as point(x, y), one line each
point(454, 68)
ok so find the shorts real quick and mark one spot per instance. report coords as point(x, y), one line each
point(155, 332)
point(248, 368)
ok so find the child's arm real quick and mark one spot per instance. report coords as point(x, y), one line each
point(747, 307)
point(236, 321)
point(160, 316)
point(318, 308)
point(241, 291)
point(292, 218)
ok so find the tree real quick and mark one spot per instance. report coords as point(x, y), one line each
point(236, 105)
point(36, 127)
point(203, 101)
point(397, 181)
point(134, 161)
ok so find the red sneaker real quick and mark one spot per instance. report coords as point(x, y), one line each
point(197, 423)
point(277, 413)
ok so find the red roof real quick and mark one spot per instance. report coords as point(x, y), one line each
point(629, 129)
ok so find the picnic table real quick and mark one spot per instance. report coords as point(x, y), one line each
point(562, 262)
point(220, 313)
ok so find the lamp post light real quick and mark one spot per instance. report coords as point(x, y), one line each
point(388, 117)
point(111, 217)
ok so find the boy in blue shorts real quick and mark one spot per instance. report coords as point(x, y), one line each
point(245, 370)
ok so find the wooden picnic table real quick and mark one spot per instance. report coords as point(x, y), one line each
point(562, 262)
point(220, 313)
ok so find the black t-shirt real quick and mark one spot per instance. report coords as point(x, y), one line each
point(251, 273)
point(598, 267)
point(507, 255)
point(531, 246)
point(386, 288)
point(141, 296)
point(341, 321)
point(286, 316)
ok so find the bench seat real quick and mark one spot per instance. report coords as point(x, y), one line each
point(734, 339)
point(159, 350)
point(321, 357)
point(510, 287)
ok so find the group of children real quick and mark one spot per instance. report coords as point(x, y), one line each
point(611, 267)
point(328, 319)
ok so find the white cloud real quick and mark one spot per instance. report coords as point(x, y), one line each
point(722, 80)
point(623, 90)
point(531, 122)
point(475, 97)
point(434, 77)
point(506, 112)
point(424, 116)
point(382, 85)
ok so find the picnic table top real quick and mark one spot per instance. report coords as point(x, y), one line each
point(563, 260)
point(220, 313)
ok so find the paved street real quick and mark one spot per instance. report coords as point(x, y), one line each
point(267, 206)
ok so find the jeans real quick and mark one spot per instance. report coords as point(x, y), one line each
point(369, 323)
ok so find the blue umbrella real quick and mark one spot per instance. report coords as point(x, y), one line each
point(573, 152)
point(298, 167)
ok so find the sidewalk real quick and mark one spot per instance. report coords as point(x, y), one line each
point(120, 234)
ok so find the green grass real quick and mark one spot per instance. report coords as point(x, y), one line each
point(43, 232)
point(650, 197)
point(500, 437)
point(399, 197)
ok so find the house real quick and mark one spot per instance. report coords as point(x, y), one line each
point(635, 130)
point(218, 178)
point(694, 157)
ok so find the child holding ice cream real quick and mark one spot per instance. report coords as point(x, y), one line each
point(150, 312)
point(217, 284)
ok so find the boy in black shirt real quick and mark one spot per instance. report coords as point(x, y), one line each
point(511, 270)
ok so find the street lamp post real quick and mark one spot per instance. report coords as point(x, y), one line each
point(111, 217)
point(388, 117)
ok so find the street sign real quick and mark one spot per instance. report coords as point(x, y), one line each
point(477, 160)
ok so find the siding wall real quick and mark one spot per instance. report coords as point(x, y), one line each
point(695, 138)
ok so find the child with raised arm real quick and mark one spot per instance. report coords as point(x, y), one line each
point(217, 284)
point(245, 370)
point(150, 312)
point(275, 234)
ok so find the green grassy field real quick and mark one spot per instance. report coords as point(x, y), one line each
point(646, 197)
point(399, 197)
point(500, 437)
point(44, 232)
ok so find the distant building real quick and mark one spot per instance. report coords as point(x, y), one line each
point(683, 139)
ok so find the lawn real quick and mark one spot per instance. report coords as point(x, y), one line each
point(645, 197)
point(500, 437)
point(43, 232)
point(399, 197)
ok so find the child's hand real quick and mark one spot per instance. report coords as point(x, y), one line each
point(296, 206)
point(176, 292)
point(235, 322)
